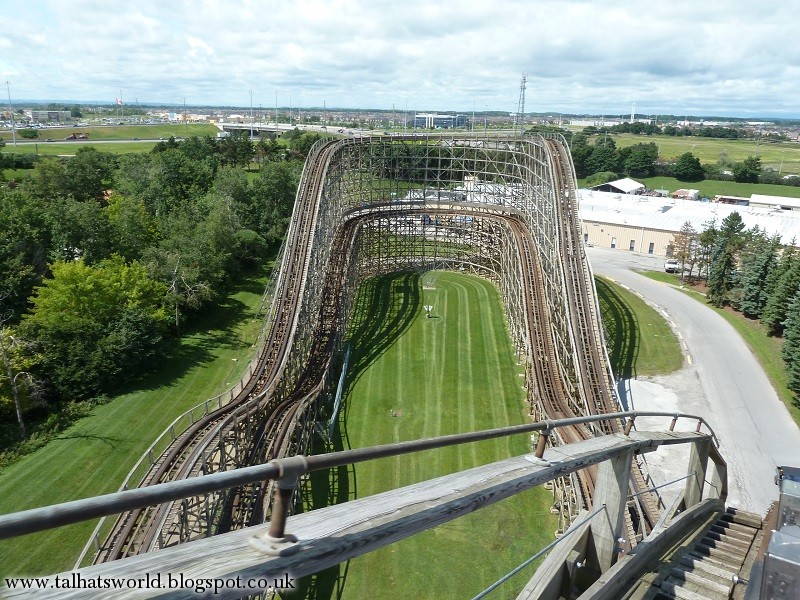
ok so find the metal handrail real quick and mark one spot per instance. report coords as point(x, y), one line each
point(285, 469)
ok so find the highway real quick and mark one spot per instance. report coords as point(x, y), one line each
point(721, 381)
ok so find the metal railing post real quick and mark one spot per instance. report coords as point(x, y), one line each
point(544, 435)
point(629, 424)
point(277, 542)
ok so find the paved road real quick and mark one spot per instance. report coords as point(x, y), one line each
point(721, 381)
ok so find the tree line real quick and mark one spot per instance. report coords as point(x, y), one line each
point(105, 258)
point(601, 161)
point(753, 273)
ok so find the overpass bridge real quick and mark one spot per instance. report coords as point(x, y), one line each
point(504, 209)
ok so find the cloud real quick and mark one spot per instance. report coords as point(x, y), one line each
point(712, 57)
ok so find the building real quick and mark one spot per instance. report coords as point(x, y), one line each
point(49, 116)
point(648, 224)
point(621, 186)
point(436, 121)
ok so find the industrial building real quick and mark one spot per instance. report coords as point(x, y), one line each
point(648, 224)
point(436, 121)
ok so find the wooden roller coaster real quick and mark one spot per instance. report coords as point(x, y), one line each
point(503, 209)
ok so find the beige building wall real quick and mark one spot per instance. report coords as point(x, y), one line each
point(623, 237)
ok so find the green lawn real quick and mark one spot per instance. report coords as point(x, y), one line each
point(712, 187)
point(63, 148)
point(413, 377)
point(766, 348)
point(95, 454)
point(118, 132)
point(710, 150)
point(639, 340)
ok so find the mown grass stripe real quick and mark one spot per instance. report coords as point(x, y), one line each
point(456, 373)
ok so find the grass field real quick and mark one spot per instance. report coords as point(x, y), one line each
point(639, 340)
point(116, 139)
point(95, 454)
point(413, 377)
point(766, 348)
point(710, 150)
point(117, 132)
point(712, 187)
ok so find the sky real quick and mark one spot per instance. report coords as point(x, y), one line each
point(682, 57)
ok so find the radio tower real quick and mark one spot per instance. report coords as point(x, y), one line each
point(520, 117)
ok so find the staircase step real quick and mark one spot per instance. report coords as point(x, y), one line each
point(726, 540)
point(708, 569)
point(744, 536)
point(743, 517)
point(733, 549)
point(725, 559)
point(721, 562)
point(676, 589)
point(730, 525)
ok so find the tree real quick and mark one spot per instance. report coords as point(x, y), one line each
point(685, 247)
point(688, 168)
point(791, 344)
point(759, 259)
point(639, 160)
point(25, 246)
point(602, 158)
point(16, 382)
point(600, 178)
point(96, 326)
point(273, 199)
point(88, 174)
point(236, 149)
point(748, 170)
point(79, 230)
point(722, 271)
point(782, 284)
point(29, 134)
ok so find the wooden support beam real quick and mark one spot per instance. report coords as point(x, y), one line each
point(334, 534)
point(698, 460)
point(613, 477)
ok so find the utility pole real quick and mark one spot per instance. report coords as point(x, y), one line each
point(276, 112)
point(251, 114)
point(121, 113)
point(11, 112)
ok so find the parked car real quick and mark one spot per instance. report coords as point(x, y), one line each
point(672, 266)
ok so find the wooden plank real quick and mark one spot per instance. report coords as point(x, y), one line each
point(334, 534)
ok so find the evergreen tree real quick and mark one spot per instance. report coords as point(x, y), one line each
point(758, 262)
point(791, 344)
point(781, 286)
point(722, 271)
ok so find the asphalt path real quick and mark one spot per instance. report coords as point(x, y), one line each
point(721, 381)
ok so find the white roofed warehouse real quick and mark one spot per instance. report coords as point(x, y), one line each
point(647, 224)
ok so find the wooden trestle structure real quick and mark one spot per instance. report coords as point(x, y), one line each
point(503, 209)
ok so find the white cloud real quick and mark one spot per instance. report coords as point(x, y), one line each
point(684, 56)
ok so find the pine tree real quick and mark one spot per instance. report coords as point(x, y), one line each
point(721, 273)
point(757, 264)
point(780, 288)
point(791, 344)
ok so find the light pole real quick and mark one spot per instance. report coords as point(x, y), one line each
point(11, 113)
point(781, 169)
point(276, 112)
point(251, 114)
point(185, 120)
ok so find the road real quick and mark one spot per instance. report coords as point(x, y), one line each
point(721, 380)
